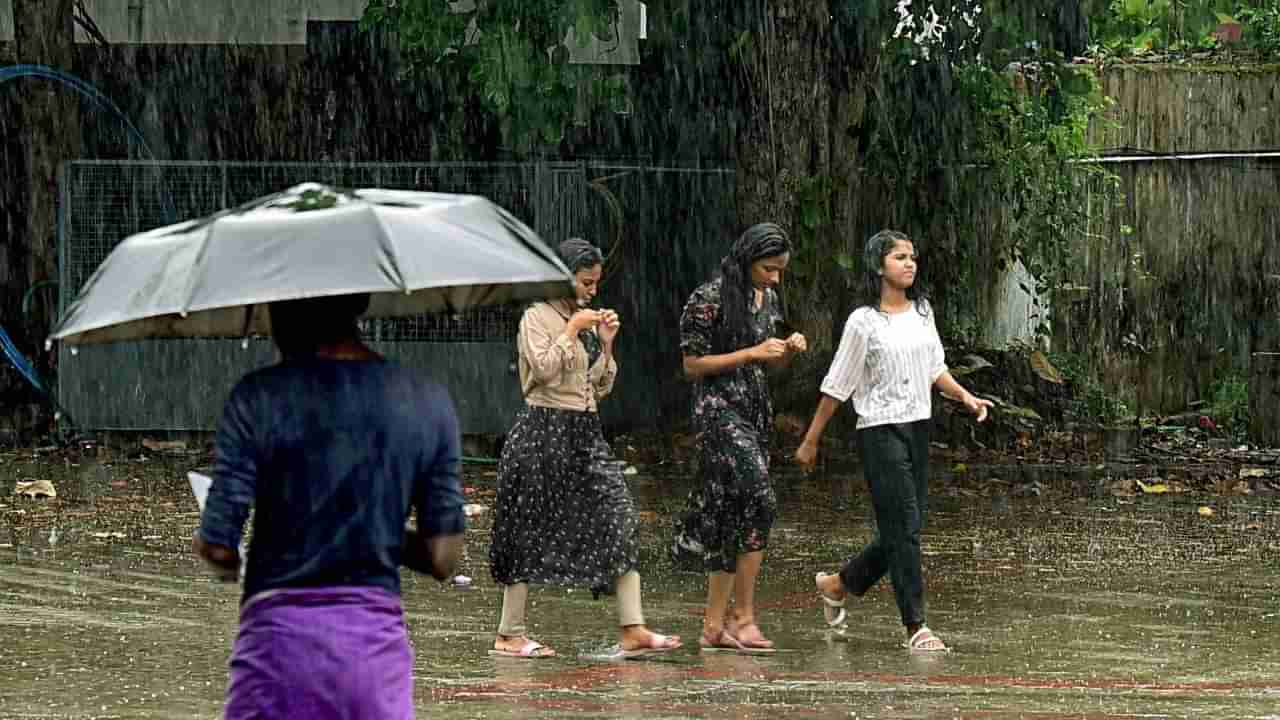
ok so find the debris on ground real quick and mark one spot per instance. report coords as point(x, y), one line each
point(35, 489)
point(168, 447)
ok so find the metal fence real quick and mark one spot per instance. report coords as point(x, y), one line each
point(180, 384)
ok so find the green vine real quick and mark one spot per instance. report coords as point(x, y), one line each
point(999, 178)
point(1031, 132)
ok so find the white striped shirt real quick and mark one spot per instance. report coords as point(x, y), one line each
point(888, 363)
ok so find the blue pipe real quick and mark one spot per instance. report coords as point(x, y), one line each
point(20, 361)
point(13, 72)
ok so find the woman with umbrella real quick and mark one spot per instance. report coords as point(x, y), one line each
point(332, 447)
point(564, 514)
point(727, 337)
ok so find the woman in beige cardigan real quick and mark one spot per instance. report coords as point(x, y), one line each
point(564, 514)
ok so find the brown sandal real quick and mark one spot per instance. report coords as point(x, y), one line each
point(758, 644)
point(724, 641)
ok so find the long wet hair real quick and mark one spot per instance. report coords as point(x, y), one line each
point(764, 240)
point(877, 249)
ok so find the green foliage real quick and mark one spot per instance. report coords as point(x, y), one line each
point(1029, 135)
point(313, 200)
point(1136, 27)
point(1230, 405)
point(998, 152)
point(811, 260)
point(506, 58)
point(1262, 28)
point(1090, 402)
point(971, 143)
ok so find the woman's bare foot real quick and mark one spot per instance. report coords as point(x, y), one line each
point(832, 593)
point(921, 639)
point(830, 586)
point(744, 628)
point(521, 646)
point(640, 637)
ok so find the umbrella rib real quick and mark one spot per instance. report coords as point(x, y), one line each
point(196, 267)
point(390, 246)
point(508, 222)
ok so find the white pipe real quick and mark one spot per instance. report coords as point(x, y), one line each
point(1179, 156)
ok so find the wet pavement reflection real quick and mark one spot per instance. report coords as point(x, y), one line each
point(1056, 607)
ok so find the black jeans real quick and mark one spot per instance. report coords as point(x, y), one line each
point(895, 460)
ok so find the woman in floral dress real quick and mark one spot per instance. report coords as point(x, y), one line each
point(564, 514)
point(727, 339)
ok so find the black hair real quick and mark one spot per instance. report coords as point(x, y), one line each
point(877, 249)
point(300, 326)
point(763, 240)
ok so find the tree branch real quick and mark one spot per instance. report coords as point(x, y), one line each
point(82, 18)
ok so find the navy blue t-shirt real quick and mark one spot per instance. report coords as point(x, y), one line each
point(331, 454)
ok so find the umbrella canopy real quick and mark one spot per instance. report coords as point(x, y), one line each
point(415, 252)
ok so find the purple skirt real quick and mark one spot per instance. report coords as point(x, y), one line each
point(339, 653)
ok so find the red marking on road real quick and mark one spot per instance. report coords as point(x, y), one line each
point(658, 673)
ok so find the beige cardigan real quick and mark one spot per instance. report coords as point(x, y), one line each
point(553, 367)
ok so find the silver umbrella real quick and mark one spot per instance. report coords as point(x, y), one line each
point(415, 252)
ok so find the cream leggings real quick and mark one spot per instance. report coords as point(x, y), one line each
point(514, 597)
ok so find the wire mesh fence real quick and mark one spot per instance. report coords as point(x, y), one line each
point(662, 230)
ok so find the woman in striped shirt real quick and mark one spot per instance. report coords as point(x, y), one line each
point(889, 359)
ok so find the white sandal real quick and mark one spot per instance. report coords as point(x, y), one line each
point(832, 610)
point(921, 642)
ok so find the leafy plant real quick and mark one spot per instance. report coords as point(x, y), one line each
point(1029, 136)
point(1230, 404)
point(506, 58)
point(1091, 402)
point(1140, 26)
point(1262, 28)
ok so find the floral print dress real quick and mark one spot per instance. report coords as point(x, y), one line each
point(733, 509)
point(564, 514)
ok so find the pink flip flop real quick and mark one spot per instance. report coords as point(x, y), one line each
point(726, 641)
point(658, 644)
point(531, 650)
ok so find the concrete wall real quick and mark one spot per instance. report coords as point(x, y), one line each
point(284, 22)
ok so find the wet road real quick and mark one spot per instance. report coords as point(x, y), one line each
point(1055, 607)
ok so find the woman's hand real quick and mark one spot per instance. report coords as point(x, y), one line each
point(807, 455)
point(797, 344)
point(582, 320)
point(976, 405)
point(770, 349)
point(609, 325)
